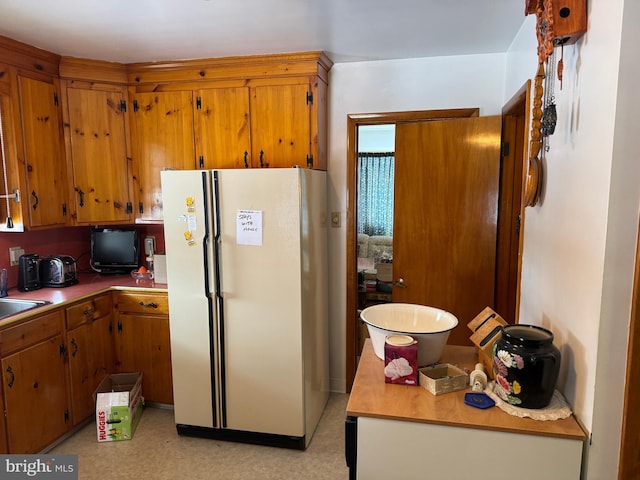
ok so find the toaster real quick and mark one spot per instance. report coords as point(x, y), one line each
point(58, 271)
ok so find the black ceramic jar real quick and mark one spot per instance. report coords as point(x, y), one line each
point(526, 364)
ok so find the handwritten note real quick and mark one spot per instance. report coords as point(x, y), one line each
point(249, 227)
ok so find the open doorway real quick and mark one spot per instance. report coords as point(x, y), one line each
point(517, 155)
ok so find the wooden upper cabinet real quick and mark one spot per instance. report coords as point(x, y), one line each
point(97, 147)
point(163, 138)
point(223, 128)
point(281, 125)
point(45, 198)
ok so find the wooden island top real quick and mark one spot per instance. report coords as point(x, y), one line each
point(372, 397)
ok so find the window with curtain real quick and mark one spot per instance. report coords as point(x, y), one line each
point(375, 193)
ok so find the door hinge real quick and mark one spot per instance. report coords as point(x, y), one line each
point(123, 105)
point(310, 161)
point(198, 103)
point(64, 209)
point(518, 221)
point(55, 98)
point(129, 207)
point(140, 208)
point(66, 415)
point(135, 105)
point(504, 149)
point(309, 98)
point(201, 159)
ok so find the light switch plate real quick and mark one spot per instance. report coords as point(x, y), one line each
point(335, 219)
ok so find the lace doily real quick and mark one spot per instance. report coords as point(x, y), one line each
point(557, 409)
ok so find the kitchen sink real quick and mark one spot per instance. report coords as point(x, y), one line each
point(12, 306)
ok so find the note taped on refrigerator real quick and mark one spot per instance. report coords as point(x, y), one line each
point(249, 227)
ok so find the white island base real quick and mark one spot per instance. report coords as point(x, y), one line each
point(406, 432)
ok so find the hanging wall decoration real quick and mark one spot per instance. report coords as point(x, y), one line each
point(558, 23)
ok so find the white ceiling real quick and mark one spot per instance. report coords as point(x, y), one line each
point(347, 30)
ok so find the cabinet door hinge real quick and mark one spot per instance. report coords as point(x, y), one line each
point(123, 105)
point(55, 98)
point(504, 149)
point(310, 161)
point(64, 209)
point(140, 208)
point(198, 103)
point(135, 105)
point(66, 415)
point(201, 160)
point(309, 98)
point(129, 207)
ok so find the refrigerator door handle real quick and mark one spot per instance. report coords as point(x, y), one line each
point(220, 299)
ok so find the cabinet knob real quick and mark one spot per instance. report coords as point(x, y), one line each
point(399, 283)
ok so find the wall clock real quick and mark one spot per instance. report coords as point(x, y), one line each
point(558, 23)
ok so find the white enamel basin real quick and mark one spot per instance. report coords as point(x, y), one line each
point(428, 325)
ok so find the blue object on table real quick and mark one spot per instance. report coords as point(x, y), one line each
point(478, 400)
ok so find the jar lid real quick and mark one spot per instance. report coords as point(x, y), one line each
point(531, 334)
point(400, 340)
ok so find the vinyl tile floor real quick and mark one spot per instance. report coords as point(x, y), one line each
point(157, 452)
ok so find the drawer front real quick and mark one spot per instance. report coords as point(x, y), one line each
point(31, 332)
point(89, 310)
point(145, 303)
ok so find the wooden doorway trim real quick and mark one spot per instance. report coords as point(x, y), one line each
point(353, 122)
point(629, 465)
point(515, 128)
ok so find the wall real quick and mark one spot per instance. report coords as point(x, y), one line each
point(389, 86)
point(579, 243)
point(74, 241)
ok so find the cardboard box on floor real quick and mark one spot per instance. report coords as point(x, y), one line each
point(487, 329)
point(119, 404)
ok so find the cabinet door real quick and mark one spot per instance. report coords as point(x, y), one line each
point(35, 396)
point(101, 176)
point(90, 360)
point(162, 132)
point(42, 137)
point(142, 345)
point(222, 128)
point(281, 125)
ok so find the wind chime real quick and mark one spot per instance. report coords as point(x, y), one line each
point(558, 23)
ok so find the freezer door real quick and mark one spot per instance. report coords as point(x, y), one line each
point(187, 203)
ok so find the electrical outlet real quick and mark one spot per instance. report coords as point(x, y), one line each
point(14, 255)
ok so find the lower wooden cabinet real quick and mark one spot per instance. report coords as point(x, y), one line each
point(33, 359)
point(52, 364)
point(91, 351)
point(142, 342)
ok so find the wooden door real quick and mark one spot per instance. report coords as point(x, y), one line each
point(45, 162)
point(35, 396)
point(101, 176)
point(223, 128)
point(281, 125)
point(445, 215)
point(142, 345)
point(163, 134)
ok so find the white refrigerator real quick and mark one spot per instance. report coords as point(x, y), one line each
point(246, 254)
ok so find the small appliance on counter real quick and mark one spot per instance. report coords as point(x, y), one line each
point(58, 271)
point(28, 276)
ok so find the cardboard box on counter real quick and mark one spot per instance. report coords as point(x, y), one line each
point(119, 404)
point(443, 378)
